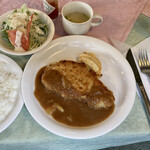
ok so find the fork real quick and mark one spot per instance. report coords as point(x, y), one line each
point(144, 62)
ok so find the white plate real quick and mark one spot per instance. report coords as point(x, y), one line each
point(44, 18)
point(19, 102)
point(117, 76)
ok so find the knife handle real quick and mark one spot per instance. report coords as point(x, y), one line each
point(146, 101)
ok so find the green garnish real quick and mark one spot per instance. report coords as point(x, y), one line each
point(4, 36)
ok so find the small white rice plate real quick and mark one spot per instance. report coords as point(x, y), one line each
point(9, 83)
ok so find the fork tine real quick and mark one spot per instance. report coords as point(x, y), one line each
point(143, 61)
point(140, 58)
point(143, 58)
point(146, 58)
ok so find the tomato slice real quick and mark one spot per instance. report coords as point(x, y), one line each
point(12, 36)
point(28, 30)
point(24, 42)
point(24, 38)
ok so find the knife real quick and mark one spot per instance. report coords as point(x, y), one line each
point(140, 86)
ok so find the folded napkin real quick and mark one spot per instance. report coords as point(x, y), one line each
point(145, 44)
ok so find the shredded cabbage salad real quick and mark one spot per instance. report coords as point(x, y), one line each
point(23, 30)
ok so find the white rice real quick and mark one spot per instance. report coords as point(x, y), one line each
point(9, 83)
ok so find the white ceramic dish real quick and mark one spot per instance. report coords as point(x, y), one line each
point(19, 102)
point(44, 18)
point(117, 76)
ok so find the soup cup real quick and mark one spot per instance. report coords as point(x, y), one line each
point(83, 27)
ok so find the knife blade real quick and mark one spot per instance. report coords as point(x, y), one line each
point(143, 96)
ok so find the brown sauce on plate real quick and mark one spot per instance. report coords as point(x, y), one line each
point(74, 113)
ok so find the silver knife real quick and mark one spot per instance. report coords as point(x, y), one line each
point(140, 85)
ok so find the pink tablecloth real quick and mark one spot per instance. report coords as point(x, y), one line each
point(146, 9)
point(119, 16)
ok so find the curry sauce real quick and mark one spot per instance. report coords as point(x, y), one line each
point(69, 111)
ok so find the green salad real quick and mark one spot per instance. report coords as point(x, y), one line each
point(23, 30)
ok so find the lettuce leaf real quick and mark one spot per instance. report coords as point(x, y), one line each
point(5, 38)
point(24, 8)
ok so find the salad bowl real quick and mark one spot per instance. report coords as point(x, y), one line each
point(44, 19)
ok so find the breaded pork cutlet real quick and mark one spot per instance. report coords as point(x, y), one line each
point(73, 80)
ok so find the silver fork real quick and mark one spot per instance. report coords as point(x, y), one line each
point(144, 62)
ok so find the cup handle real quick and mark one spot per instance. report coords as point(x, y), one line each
point(100, 20)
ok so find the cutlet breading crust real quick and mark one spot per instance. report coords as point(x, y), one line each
point(73, 80)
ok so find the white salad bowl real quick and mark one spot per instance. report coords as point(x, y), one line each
point(45, 19)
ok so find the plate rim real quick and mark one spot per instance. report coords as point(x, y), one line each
point(20, 102)
point(84, 37)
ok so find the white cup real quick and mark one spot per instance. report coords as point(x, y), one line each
point(79, 28)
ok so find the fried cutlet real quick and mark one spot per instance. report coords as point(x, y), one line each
point(73, 80)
